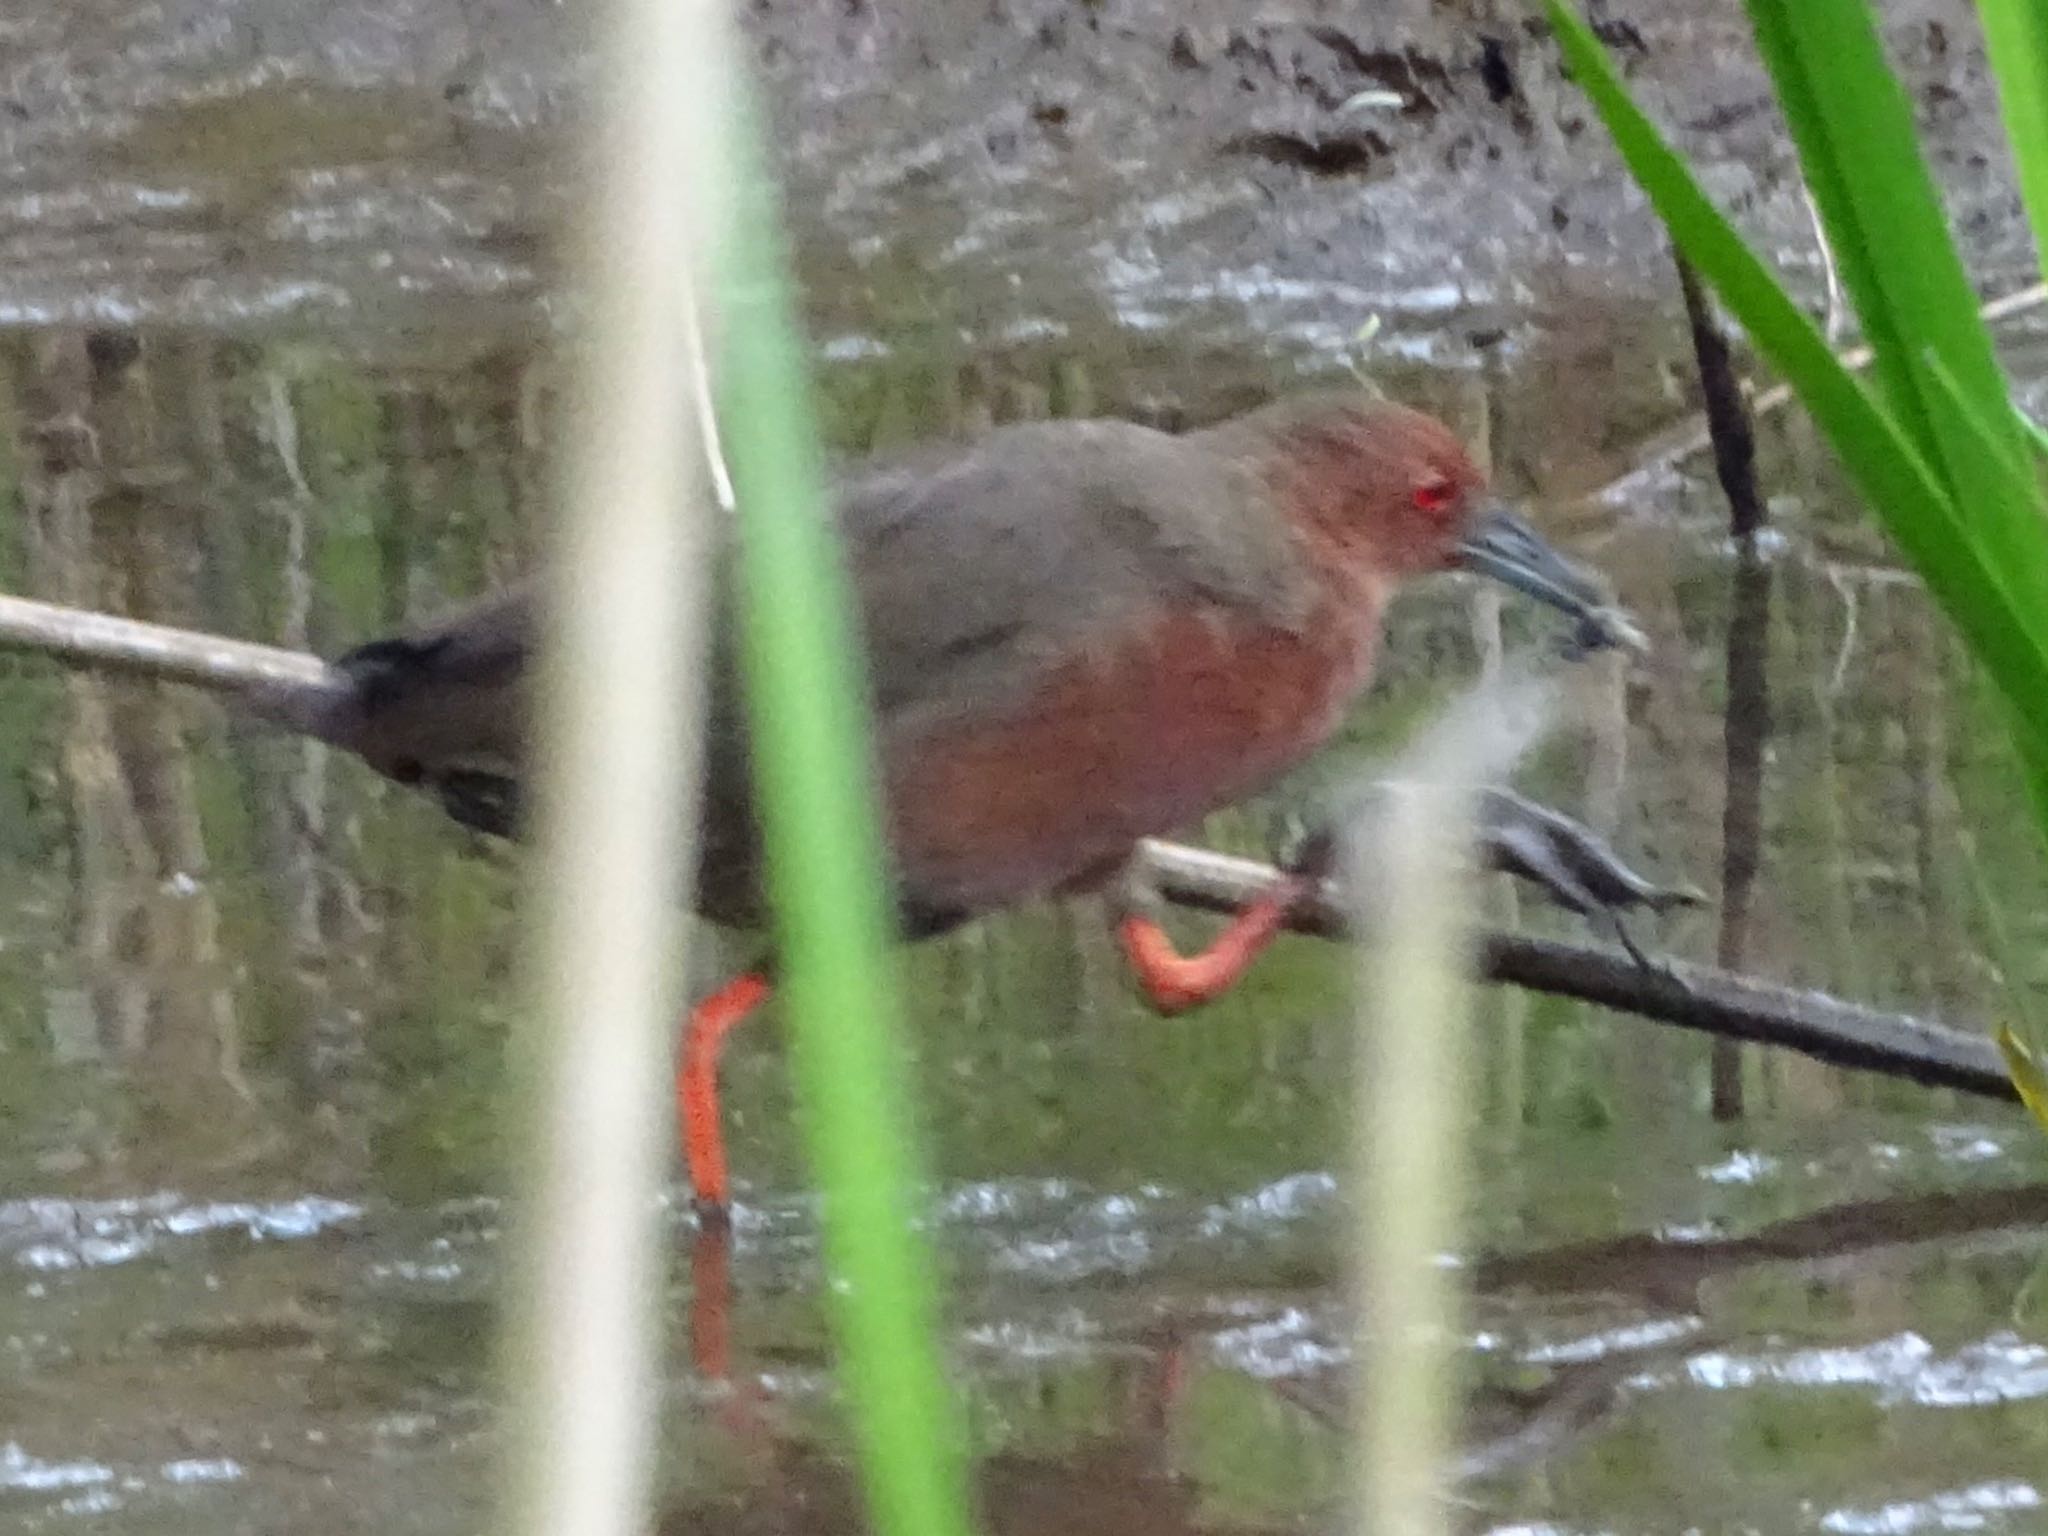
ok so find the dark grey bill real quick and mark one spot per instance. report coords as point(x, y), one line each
point(1504, 547)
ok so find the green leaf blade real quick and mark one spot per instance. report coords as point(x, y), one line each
point(2016, 38)
point(1858, 145)
point(2011, 641)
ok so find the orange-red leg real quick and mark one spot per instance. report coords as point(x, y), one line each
point(1174, 982)
point(697, 1086)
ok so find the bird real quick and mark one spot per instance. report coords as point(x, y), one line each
point(1078, 633)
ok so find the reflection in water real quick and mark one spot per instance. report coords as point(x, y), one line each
point(146, 927)
point(1747, 727)
point(174, 1354)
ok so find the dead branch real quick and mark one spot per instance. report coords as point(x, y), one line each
point(81, 638)
point(1704, 998)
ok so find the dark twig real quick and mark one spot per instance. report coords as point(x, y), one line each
point(1704, 998)
point(1747, 723)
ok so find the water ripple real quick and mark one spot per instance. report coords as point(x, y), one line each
point(1965, 1509)
point(50, 1234)
point(1902, 1369)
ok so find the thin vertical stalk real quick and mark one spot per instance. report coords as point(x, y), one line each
point(807, 695)
point(616, 775)
point(1746, 726)
point(1511, 1040)
point(1412, 1099)
point(1409, 1170)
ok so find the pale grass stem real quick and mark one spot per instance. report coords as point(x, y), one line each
point(1413, 1097)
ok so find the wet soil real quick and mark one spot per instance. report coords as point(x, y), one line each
point(1014, 169)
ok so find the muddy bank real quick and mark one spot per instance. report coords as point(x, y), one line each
point(1182, 166)
point(1019, 169)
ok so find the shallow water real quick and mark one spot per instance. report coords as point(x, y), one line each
point(276, 279)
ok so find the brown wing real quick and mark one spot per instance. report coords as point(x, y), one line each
point(983, 572)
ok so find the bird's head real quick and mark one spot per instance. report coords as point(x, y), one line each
point(1390, 493)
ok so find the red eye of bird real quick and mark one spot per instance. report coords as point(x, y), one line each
point(1435, 495)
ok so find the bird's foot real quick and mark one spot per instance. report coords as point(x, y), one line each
point(1574, 867)
point(1569, 862)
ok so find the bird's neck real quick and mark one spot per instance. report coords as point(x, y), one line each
point(1353, 588)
